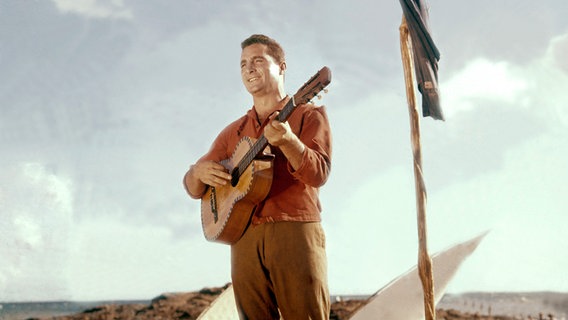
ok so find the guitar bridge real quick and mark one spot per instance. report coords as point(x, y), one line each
point(265, 157)
point(213, 204)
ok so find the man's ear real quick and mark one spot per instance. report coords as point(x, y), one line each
point(282, 67)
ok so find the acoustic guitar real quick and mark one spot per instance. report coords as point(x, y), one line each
point(226, 211)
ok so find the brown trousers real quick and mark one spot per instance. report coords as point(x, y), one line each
point(281, 269)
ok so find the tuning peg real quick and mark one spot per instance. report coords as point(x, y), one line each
point(325, 90)
point(319, 96)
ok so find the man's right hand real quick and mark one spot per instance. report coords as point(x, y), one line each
point(202, 174)
point(210, 173)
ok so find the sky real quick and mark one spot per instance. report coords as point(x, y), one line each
point(105, 104)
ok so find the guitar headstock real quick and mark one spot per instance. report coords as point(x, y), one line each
point(314, 86)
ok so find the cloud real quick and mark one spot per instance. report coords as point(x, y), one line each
point(540, 82)
point(114, 260)
point(95, 8)
point(559, 51)
point(550, 92)
point(36, 210)
point(523, 206)
point(521, 201)
point(482, 79)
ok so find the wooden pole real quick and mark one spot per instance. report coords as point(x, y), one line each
point(424, 260)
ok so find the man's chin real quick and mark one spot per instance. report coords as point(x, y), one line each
point(253, 90)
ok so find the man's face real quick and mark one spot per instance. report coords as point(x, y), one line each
point(261, 75)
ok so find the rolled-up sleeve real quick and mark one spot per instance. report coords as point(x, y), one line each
point(315, 133)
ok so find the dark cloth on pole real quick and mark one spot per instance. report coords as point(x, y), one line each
point(426, 56)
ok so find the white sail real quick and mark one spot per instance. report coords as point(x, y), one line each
point(402, 298)
point(222, 308)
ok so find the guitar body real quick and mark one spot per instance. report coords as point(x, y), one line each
point(226, 211)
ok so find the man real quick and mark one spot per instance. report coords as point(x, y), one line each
point(279, 265)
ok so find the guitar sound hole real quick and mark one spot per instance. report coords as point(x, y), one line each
point(235, 177)
point(214, 204)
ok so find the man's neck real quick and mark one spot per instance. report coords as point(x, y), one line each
point(266, 105)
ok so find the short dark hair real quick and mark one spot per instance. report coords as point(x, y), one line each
point(274, 48)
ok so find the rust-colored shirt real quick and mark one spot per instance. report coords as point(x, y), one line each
point(294, 195)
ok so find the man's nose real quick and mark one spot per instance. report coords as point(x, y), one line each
point(249, 67)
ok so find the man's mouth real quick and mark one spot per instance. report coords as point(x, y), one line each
point(252, 79)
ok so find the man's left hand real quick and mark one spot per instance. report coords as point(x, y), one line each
point(278, 133)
